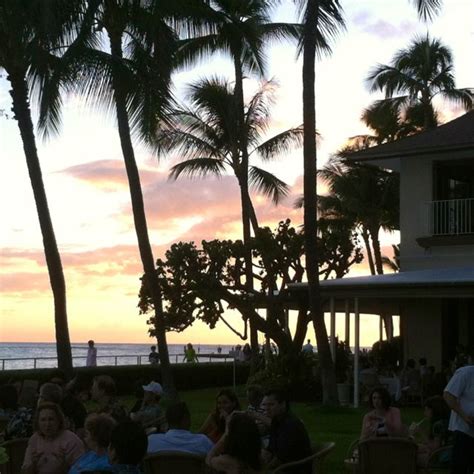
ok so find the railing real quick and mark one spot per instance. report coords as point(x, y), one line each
point(116, 358)
point(450, 217)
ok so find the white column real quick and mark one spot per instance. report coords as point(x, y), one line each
point(356, 351)
point(380, 328)
point(348, 324)
point(333, 329)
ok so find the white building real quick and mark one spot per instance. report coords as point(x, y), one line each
point(434, 292)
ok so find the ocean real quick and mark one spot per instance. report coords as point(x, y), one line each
point(43, 354)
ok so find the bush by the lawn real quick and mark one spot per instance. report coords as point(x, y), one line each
point(186, 376)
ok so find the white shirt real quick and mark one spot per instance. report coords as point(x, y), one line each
point(179, 440)
point(461, 386)
point(91, 357)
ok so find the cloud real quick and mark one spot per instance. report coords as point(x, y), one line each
point(108, 175)
point(382, 29)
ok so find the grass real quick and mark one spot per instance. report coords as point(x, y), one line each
point(341, 425)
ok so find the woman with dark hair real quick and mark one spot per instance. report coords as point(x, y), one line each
point(238, 451)
point(431, 432)
point(383, 419)
point(52, 449)
point(98, 430)
point(214, 426)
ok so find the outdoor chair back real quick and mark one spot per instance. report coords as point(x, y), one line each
point(387, 455)
point(174, 462)
point(318, 455)
point(15, 449)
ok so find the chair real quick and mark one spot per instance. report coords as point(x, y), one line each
point(319, 453)
point(15, 449)
point(440, 460)
point(387, 455)
point(175, 462)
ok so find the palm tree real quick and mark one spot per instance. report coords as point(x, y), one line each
point(415, 76)
point(366, 196)
point(134, 78)
point(206, 137)
point(322, 20)
point(242, 29)
point(29, 32)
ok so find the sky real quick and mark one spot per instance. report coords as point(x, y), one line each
point(88, 193)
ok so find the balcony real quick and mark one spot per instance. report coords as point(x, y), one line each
point(448, 222)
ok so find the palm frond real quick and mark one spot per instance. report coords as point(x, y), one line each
point(427, 9)
point(282, 143)
point(197, 167)
point(268, 184)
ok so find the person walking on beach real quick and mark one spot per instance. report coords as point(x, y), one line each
point(153, 357)
point(91, 355)
point(190, 354)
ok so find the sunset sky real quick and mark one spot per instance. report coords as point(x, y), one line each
point(88, 191)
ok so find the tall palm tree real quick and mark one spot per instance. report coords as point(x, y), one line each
point(242, 29)
point(322, 19)
point(206, 138)
point(30, 31)
point(134, 79)
point(415, 76)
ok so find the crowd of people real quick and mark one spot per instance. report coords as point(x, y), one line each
point(64, 437)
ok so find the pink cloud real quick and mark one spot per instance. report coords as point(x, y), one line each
point(109, 174)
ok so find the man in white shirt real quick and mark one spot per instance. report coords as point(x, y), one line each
point(91, 355)
point(178, 437)
point(459, 395)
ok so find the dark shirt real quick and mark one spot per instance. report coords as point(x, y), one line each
point(289, 441)
point(74, 411)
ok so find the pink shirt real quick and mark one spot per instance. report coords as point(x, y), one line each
point(53, 456)
point(391, 424)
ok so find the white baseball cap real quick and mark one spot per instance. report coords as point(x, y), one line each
point(154, 387)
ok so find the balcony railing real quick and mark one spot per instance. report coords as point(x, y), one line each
point(450, 217)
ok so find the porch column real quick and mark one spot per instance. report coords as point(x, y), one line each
point(348, 323)
point(356, 351)
point(332, 308)
point(380, 328)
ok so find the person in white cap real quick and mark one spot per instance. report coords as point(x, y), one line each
point(150, 415)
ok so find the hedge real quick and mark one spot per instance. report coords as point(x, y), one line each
point(186, 376)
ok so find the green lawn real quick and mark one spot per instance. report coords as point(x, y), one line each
point(341, 425)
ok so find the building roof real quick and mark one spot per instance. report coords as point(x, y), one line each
point(434, 283)
point(458, 134)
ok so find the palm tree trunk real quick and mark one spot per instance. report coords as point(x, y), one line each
point(370, 258)
point(374, 234)
point(245, 195)
point(22, 113)
point(310, 204)
point(139, 216)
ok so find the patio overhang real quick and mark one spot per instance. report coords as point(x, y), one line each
point(433, 283)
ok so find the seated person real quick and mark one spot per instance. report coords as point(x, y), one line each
point(150, 413)
point(178, 437)
point(76, 393)
point(289, 440)
point(98, 429)
point(383, 419)
point(104, 393)
point(410, 379)
point(127, 448)
point(50, 392)
point(238, 450)
point(432, 432)
point(214, 425)
point(153, 357)
point(52, 449)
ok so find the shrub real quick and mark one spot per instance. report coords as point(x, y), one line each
point(298, 374)
point(186, 376)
